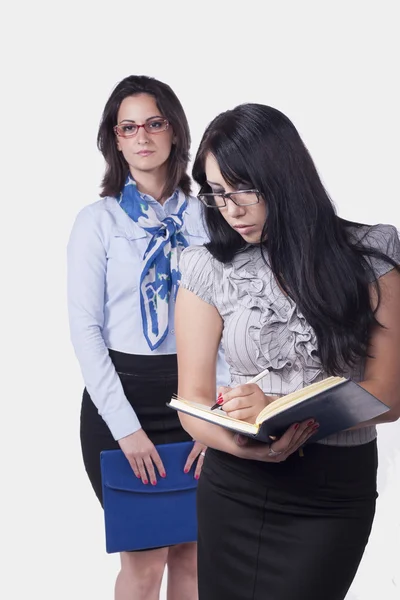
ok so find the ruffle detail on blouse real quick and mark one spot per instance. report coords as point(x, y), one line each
point(283, 338)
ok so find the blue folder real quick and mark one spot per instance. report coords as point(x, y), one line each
point(139, 516)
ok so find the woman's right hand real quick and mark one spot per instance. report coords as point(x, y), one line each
point(142, 456)
point(278, 451)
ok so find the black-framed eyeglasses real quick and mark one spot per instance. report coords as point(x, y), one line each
point(218, 200)
point(127, 129)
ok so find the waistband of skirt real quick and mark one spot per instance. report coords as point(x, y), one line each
point(144, 364)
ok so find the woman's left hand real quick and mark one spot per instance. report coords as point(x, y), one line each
point(198, 451)
point(244, 402)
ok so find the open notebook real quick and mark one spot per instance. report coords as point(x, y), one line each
point(336, 403)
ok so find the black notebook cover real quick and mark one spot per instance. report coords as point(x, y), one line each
point(335, 409)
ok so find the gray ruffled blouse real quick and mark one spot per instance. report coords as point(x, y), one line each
point(264, 328)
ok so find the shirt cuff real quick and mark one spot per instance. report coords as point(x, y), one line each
point(123, 422)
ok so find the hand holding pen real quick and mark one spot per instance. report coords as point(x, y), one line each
point(244, 401)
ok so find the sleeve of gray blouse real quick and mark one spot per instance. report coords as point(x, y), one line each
point(384, 238)
point(197, 274)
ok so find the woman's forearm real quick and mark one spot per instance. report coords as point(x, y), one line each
point(210, 435)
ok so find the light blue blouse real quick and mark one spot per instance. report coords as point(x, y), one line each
point(104, 257)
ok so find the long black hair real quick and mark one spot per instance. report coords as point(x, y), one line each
point(312, 255)
point(170, 107)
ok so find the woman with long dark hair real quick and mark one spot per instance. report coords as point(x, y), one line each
point(291, 287)
point(123, 271)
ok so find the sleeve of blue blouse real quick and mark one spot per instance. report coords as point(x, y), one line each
point(384, 238)
point(86, 268)
point(197, 274)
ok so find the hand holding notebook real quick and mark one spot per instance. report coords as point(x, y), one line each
point(336, 403)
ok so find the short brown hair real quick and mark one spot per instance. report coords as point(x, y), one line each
point(170, 107)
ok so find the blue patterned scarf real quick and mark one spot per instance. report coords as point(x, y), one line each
point(160, 275)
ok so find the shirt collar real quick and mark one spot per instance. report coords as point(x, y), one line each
point(169, 205)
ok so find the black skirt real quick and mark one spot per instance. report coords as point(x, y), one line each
point(149, 383)
point(285, 531)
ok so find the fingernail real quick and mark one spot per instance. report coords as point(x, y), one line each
point(196, 476)
point(296, 426)
point(154, 483)
point(310, 422)
point(315, 426)
point(186, 470)
point(145, 481)
point(138, 476)
point(220, 399)
point(163, 474)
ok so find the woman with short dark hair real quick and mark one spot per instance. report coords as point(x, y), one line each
point(123, 272)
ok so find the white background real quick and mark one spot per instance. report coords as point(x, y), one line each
point(332, 67)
